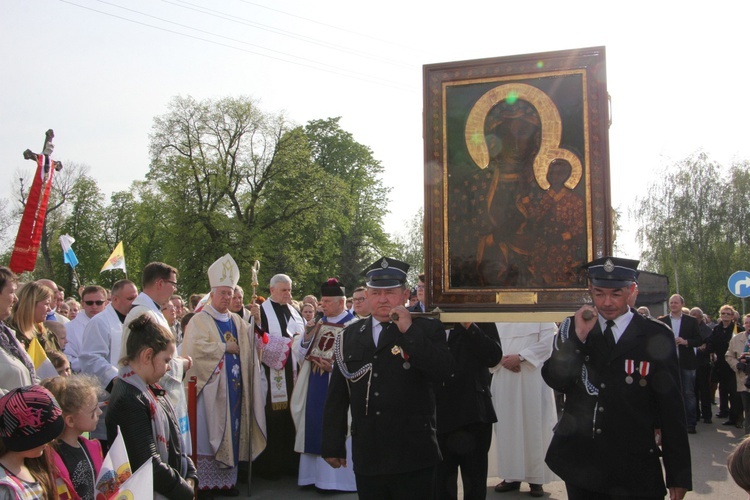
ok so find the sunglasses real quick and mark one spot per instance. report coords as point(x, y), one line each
point(92, 302)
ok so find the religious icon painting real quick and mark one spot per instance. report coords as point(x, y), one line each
point(322, 345)
point(516, 180)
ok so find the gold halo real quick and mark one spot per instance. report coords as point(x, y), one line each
point(549, 149)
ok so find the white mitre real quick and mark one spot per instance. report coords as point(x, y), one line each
point(224, 272)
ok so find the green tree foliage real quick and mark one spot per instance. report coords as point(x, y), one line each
point(355, 228)
point(410, 247)
point(250, 183)
point(693, 224)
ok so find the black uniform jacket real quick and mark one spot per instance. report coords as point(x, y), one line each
point(131, 410)
point(604, 440)
point(465, 398)
point(689, 331)
point(393, 405)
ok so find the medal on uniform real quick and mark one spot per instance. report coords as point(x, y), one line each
point(644, 369)
point(629, 369)
point(396, 350)
point(228, 337)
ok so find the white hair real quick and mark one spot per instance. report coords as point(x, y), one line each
point(280, 278)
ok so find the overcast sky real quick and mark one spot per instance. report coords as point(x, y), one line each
point(98, 72)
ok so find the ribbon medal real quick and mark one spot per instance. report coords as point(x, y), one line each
point(629, 369)
point(396, 350)
point(644, 369)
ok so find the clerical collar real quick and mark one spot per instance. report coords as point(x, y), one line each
point(120, 316)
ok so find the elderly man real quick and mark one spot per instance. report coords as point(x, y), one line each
point(385, 371)
point(225, 360)
point(101, 343)
point(278, 322)
point(316, 352)
point(620, 376)
point(93, 301)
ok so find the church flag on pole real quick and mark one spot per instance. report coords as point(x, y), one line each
point(116, 260)
point(69, 256)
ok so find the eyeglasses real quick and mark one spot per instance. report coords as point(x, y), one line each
point(421, 287)
point(173, 283)
point(358, 299)
point(727, 314)
point(92, 302)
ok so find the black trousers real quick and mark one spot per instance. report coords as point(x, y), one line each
point(577, 493)
point(703, 390)
point(414, 485)
point(466, 448)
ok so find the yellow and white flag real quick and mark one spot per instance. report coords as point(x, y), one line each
point(43, 366)
point(116, 260)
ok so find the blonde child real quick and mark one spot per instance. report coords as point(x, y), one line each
point(24, 459)
point(77, 459)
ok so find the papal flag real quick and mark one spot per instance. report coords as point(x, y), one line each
point(115, 470)
point(116, 260)
point(69, 256)
point(43, 366)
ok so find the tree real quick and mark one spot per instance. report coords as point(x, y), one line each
point(410, 246)
point(692, 230)
point(236, 179)
point(361, 204)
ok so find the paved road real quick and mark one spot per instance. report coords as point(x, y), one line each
point(709, 450)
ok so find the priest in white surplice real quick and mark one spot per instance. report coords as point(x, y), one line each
point(525, 407)
point(230, 424)
point(278, 323)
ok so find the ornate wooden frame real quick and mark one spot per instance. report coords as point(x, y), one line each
point(498, 236)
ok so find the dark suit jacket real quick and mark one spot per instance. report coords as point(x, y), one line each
point(393, 407)
point(604, 440)
point(689, 331)
point(465, 398)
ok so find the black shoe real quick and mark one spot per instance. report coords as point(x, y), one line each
point(536, 490)
point(722, 414)
point(707, 420)
point(728, 422)
point(691, 430)
point(506, 486)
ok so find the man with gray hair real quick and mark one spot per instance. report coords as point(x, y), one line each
point(277, 322)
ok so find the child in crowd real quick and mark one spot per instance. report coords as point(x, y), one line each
point(60, 362)
point(59, 331)
point(738, 464)
point(24, 459)
point(144, 414)
point(77, 459)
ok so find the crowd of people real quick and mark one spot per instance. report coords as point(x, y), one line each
point(361, 393)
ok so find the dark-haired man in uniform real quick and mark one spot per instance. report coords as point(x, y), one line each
point(621, 380)
point(384, 371)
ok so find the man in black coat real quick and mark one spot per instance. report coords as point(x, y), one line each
point(687, 337)
point(621, 380)
point(703, 369)
point(386, 366)
point(465, 413)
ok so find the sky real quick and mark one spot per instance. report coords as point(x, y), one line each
point(98, 72)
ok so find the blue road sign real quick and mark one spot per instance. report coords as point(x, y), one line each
point(739, 284)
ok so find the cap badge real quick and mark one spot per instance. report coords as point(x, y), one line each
point(384, 264)
point(609, 266)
